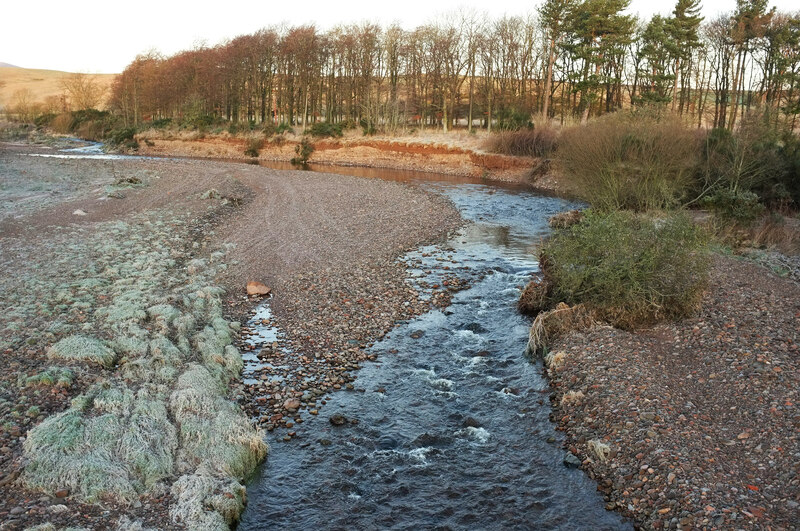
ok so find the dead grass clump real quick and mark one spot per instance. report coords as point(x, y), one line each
point(83, 348)
point(601, 450)
point(551, 325)
point(111, 443)
point(555, 360)
point(564, 220)
point(534, 298)
point(538, 142)
point(205, 501)
point(776, 232)
point(214, 432)
point(572, 397)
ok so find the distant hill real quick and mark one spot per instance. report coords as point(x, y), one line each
point(41, 83)
point(6, 65)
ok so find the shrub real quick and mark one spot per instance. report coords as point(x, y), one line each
point(283, 127)
point(253, 146)
point(759, 157)
point(367, 127)
point(513, 120)
point(735, 205)
point(629, 269)
point(120, 137)
point(161, 123)
point(304, 149)
point(539, 142)
point(622, 161)
point(326, 129)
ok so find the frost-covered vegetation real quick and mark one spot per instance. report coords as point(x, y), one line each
point(130, 302)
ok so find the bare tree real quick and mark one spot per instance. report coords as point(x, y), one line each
point(84, 91)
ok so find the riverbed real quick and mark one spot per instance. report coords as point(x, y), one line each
point(449, 428)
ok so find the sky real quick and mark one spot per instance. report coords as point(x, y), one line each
point(94, 36)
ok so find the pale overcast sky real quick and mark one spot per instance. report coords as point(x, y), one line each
point(103, 37)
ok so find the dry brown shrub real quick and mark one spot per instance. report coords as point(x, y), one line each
point(539, 142)
point(62, 123)
point(627, 161)
point(776, 232)
point(564, 220)
point(556, 323)
point(534, 297)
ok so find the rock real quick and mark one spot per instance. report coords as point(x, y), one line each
point(291, 404)
point(571, 461)
point(79, 212)
point(257, 288)
point(16, 511)
point(338, 420)
point(470, 422)
point(62, 493)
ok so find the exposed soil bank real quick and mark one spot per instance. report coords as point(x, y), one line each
point(453, 154)
point(700, 417)
point(314, 239)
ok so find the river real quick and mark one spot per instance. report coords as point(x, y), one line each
point(449, 428)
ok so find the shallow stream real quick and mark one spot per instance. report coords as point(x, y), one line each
point(449, 428)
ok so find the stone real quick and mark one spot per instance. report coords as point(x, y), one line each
point(291, 404)
point(338, 420)
point(470, 422)
point(257, 288)
point(16, 511)
point(79, 212)
point(572, 461)
point(62, 493)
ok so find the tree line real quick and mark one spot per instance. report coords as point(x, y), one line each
point(570, 60)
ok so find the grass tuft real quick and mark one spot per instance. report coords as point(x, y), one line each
point(83, 348)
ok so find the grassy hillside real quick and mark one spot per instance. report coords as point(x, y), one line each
point(41, 83)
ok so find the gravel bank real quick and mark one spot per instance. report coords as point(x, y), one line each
point(700, 417)
point(326, 244)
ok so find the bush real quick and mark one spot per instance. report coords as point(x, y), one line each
point(759, 157)
point(253, 146)
point(304, 149)
point(513, 120)
point(282, 128)
point(119, 137)
point(622, 161)
point(627, 268)
point(161, 123)
point(539, 142)
point(326, 129)
point(738, 206)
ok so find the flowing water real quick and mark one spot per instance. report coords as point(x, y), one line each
point(449, 428)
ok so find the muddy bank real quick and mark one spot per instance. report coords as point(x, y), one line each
point(692, 424)
point(451, 155)
point(68, 224)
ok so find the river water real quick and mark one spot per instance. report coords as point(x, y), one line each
point(449, 428)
